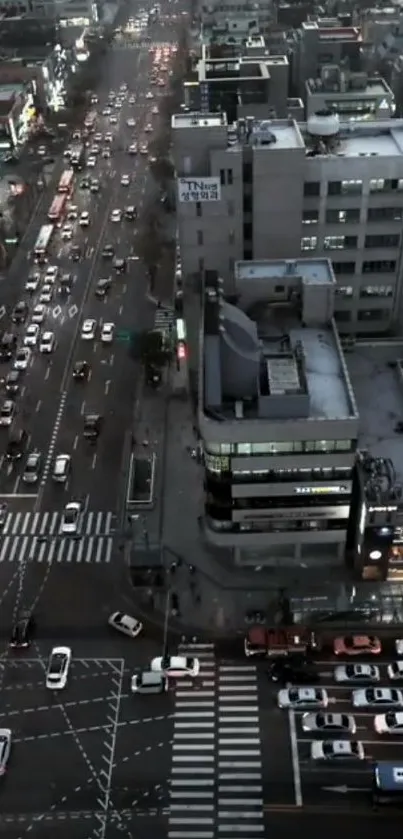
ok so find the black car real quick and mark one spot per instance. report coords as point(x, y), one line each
point(17, 444)
point(85, 183)
point(75, 253)
point(296, 670)
point(8, 345)
point(108, 252)
point(130, 213)
point(13, 381)
point(22, 631)
point(65, 284)
point(120, 266)
point(20, 312)
point(102, 288)
point(92, 426)
point(81, 370)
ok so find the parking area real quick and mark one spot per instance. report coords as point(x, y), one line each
point(62, 741)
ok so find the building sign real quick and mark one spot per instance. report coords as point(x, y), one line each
point(198, 190)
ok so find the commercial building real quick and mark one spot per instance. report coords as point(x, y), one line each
point(323, 42)
point(277, 415)
point(354, 96)
point(79, 10)
point(264, 189)
point(230, 84)
point(16, 114)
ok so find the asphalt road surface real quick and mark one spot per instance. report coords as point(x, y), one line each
point(92, 762)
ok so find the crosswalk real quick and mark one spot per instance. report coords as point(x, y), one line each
point(216, 787)
point(37, 537)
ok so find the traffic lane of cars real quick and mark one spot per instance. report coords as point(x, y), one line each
point(320, 778)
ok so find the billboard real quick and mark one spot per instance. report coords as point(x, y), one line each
point(195, 190)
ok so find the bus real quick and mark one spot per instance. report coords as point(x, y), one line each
point(66, 182)
point(77, 157)
point(387, 783)
point(57, 209)
point(90, 121)
point(42, 243)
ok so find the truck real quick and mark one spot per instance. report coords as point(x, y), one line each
point(266, 642)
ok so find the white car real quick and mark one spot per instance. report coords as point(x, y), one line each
point(91, 162)
point(47, 342)
point(67, 232)
point(22, 358)
point(32, 282)
point(31, 335)
point(106, 112)
point(113, 120)
point(71, 519)
point(148, 128)
point(357, 673)
point(144, 149)
point(302, 698)
point(97, 138)
point(108, 137)
point(176, 666)
point(72, 212)
point(125, 180)
point(154, 111)
point(106, 153)
point(395, 670)
point(88, 329)
point(51, 274)
point(84, 219)
point(38, 313)
point(149, 95)
point(331, 723)
point(125, 624)
point(46, 293)
point(7, 412)
point(42, 151)
point(131, 123)
point(116, 215)
point(5, 749)
point(107, 333)
point(58, 668)
point(133, 148)
point(371, 697)
point(390, 723)
point(337, 750)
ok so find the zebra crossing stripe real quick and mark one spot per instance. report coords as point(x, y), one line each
point(89, 549)
point(48, 524)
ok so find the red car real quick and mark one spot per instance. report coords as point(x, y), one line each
point(357, 645)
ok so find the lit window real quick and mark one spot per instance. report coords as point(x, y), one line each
point(334, 243)
point(376, 185)
point(309, 243)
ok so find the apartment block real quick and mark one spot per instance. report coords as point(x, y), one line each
point(272, 189)
point(277, 415)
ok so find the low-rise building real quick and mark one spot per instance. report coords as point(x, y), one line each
point(354, 96)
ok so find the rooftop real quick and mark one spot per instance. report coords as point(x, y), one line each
point(381, 138)
point(198, 120)
point(378, 387)
point(358, 85)
point(273, 352)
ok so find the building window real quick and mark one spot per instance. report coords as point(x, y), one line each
point(344, 290)
point(273, 448)
point(384, 240)
point(339, 243)
point(309, 243)
point(373, 314)
point(376, 291)
point(342, 316)
point(247, 173)
point(222, 177)
point(198, 209)
point(385, 214)
point(200, 238)
point(231, 208)
point(311, 188)
point(377, 185)
point(247, 203)
point(343, 216)
point(247, 231)
point(343, 267)
point(310, 217)
point(350, 187)
point(230, 177)
point(379, 266)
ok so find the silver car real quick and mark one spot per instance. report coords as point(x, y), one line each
point(32, 468)
point(125, 624)
point(329, 723)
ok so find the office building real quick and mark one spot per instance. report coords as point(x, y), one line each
point(353, 96)
point(255, 16)
point(323, 42)
point(230, 84)
point(265, 189)
point(277, 415)
point(87, 11)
